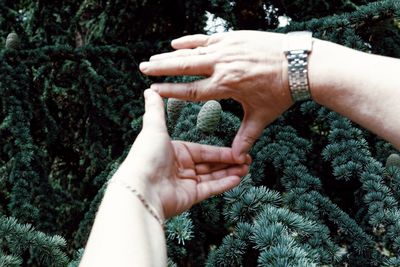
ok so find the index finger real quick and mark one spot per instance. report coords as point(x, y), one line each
point(194, 65)
point(212, 154)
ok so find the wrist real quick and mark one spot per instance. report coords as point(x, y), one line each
point(318, 69)
point(297, 48)
point(285, 80)
point(329, 66)
point(145, 190)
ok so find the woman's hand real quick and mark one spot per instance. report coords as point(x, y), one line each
point(174, 175)
point(248, 66)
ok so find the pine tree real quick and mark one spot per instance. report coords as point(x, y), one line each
point(319, 191)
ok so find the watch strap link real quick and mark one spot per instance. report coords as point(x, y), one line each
point(298, 47)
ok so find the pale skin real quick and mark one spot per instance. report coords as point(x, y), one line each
point(172, 176)
point(250, 67)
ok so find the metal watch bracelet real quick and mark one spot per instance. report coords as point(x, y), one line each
point(298, 48)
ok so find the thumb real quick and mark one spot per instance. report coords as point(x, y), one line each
point(250, 130)
point(154, 116)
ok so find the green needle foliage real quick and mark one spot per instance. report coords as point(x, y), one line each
point(319, 192)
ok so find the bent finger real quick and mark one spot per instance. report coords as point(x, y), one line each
point(215, 187)
point(206, 168)
point(154, 116)
point(210, 154)
point(236, 170)
point(250, 130)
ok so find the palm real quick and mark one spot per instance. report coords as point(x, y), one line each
point(174, 175)
point(193, 172)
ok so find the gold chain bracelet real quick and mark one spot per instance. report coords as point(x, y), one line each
point(145, 203)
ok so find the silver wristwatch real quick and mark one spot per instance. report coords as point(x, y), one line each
point(298, 47)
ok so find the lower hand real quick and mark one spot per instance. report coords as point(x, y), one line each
point(248, 66)
point(174, 175)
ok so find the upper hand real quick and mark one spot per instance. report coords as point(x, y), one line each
point(174, 175)
point(247, 66)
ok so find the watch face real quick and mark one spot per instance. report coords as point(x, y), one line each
point(298, 41)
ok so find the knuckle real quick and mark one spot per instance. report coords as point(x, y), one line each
point(216, 37)
point(184, 66)
point(236, 75)
point(211, 39)
point(199, 51)
point(227, 77)
point(192, 91)
point(203, 154)
point(248, 139)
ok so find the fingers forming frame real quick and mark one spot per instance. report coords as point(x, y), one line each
point(217, 168)
point(154, 116)
point(249, 131)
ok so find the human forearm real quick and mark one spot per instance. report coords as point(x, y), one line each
point(124, 233)
point(363, 87)
point(171, 176)
point(251, 68)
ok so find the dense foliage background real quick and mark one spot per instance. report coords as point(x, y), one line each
point(71, 104)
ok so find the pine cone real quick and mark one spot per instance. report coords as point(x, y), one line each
point(12, 41)
point(174, 108)
point(209, 116)
point(393, 160)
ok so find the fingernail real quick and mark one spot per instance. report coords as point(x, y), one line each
point(173, 41)
point(246, 171)
point(143, 66)
point(154, 87)
point(248, 159)
point(146, 93)
point(242, 157)
point(233, 179)
point(153, 57)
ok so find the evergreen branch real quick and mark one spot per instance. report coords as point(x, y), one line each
point(383, 209)
point(180, 228)
point(22, 237)
point(362, 17)
point(9, 260)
